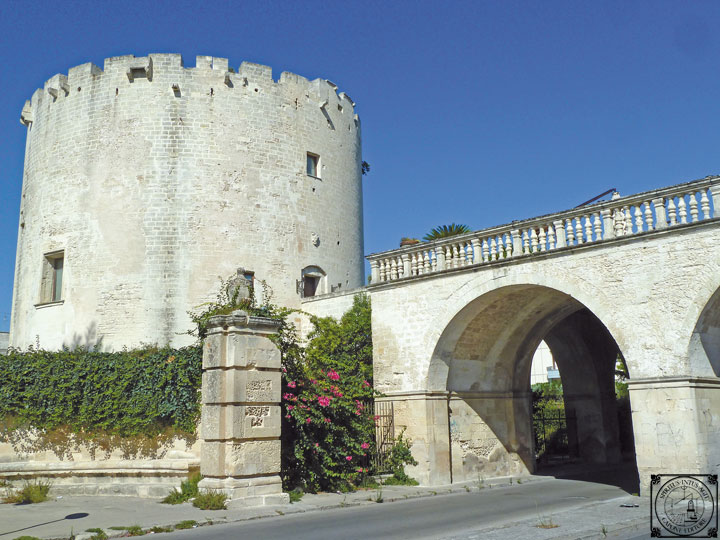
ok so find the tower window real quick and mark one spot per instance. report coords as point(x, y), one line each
point(52, 277)
point(313, 165)
point(312, 282)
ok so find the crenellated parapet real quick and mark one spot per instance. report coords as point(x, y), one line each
point(169, 74)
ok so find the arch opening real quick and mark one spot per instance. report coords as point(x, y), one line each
point(483, 362)
point(705, 339)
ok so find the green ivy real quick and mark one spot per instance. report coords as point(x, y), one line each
point(126, 393)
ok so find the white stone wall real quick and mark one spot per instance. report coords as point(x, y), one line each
point(156, 187)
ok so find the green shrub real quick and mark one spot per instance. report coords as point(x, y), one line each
point(32, 492)
point(135, 530)
point(188, 490)
point(295, 495)
point(125, 393)
point(210, 500)
point(327, 430)
point(99, 534)
point(187, 524)
point(160, 529)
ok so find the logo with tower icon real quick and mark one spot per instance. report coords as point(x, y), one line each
point(683, 506)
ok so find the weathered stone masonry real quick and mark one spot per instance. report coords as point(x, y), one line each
point(151, 180)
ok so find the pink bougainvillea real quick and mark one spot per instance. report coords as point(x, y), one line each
point(291, 384)
point(323, 401)
point(333, 375)
point(349, 458)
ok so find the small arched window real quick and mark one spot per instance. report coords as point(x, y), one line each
point(312, 281)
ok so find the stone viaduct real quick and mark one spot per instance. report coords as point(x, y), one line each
point(456, 323)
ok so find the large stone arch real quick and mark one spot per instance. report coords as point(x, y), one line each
point(482, 360)
point(583, 293)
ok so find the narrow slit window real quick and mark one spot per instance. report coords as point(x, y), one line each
point(313, 165)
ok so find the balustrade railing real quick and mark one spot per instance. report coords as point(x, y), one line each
point(622, 216)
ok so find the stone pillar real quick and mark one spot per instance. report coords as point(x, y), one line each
point(240, 424)
point(676, 421)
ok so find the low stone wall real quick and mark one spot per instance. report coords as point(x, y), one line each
point(134, 468)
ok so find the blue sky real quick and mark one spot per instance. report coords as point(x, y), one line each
point(473, 112)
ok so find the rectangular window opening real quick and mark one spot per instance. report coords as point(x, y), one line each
point(313, 165)
point(310, 284)
point(52, 278)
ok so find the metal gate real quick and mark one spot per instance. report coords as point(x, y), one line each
point(555, 436)
point(384, 415)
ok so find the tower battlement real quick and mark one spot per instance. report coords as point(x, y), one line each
point(168, 73)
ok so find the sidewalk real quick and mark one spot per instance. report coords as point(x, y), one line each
point(62, 517)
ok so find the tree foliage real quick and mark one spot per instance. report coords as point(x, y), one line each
point(126, 393)
point(445, 231)
point(328, 430)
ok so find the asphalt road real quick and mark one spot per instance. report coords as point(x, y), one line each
point(441, 516)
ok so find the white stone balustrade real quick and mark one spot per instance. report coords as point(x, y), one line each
point(664, 208)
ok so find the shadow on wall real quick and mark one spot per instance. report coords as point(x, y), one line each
point(89, 340)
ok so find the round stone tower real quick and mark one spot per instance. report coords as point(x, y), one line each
point(146, 181)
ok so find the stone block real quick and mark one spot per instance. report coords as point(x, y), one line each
point(220, 422)
point(240, 386)
point(240, 458)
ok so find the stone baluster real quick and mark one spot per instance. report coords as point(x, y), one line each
point(469, 253)
point(455, 255)
point(476, 251)
point(672, 213)
point(374, 272)
point(406, 265)
point(570, 232)
point(597, 226)
point(393, 269)
point(648, 216)
point(638, 218)
point(705, 204)
point(427, 266)
point(559, 233)
point(526, 242)
point(682, 212)
point(542, 239)
point(485, 250)
point(534, 240)
point(434, 261)
point(660, 215)
point(414, 264)
point(628, 220)
point(551, 237)
point(588, 229)
point(382, 272)
point(516, 246)
point(608, 224)
point(493, 249)
point(440, 258)
point(693, 208)
point(448, 257)
point(579, 230)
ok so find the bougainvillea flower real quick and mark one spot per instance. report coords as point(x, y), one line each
point(323, 401)
point(364, 446)
point(333, 375)
point(291, 384)
point(349, 458)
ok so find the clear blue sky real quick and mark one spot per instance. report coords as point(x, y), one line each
point(473, 112)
